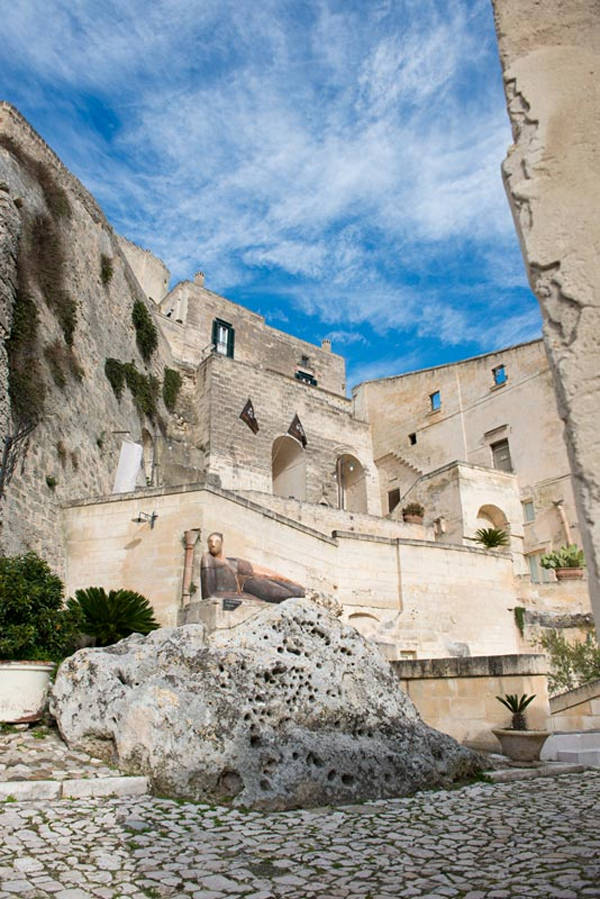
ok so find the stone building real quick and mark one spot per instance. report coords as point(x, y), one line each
point(262, 444)
point(479, 443)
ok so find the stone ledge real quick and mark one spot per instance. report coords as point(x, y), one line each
point(551, 769)
point(74, 788)
point(471, 666)
point(575, 697)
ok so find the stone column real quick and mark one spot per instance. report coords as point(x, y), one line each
point(550, 54)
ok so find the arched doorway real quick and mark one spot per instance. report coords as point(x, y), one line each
point(352, 487)
point(288, 467)
point(365, 624)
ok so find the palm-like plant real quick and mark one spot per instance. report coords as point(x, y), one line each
point(108, 617)
point(491, 537)
point(517, 705)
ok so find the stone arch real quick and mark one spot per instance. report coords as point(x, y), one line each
point(352, 485)
point(364, 623)
point(288, 468)
point(492, 516)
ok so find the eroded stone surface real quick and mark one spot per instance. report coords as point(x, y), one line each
point(291, 708)
point(550, 55)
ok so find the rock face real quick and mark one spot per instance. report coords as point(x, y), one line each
point(292, 708)
point(550, 53)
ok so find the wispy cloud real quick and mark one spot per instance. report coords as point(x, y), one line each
point(344, 158)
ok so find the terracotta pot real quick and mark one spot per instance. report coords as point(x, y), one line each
point(24, 690)
point(521, 745)
point(413, 519)
point(568, 574)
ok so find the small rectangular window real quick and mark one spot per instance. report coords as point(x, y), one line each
point(412, 439)
point(223, 338)
point(528, 510)
point(499, 374)
point(306, 378)
point(436, 400)
point(393, 499)
point(501, 456)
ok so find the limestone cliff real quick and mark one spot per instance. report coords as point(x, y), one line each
point(67, 295)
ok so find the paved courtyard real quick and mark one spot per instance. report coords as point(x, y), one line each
point(538, 838)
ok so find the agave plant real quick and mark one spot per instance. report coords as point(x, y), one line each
point(491, 537)
point(108, 617)
point(517, 705)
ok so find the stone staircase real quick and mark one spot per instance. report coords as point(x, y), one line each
point(581, 748)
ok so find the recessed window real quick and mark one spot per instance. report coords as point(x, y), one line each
point(412, 439)
point(528, 510)
point(538, 574)
point(304, 360)
point(393, 499)
point(306, 378)
point(500, 375)
point(436, 401)
point(223, 338)
point(501, 456)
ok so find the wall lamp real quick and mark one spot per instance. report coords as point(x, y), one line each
point(146, 516)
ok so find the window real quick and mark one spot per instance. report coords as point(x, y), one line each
point(412, 439)
point(306, 378)
point(501, 456)
point(538, 574)
point(528, 510)
point(393, 499)
point(436, 401)
point(223, 338)
point(500, 375)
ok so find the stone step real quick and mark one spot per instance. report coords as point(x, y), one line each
point(576, 744)
point(73, 788)
point(582, 756)
point(550, 769)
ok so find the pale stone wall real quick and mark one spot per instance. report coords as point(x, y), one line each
point(458, 696)
point(193, 308)
point(577, 710)
point(410, 595)
point(151, 272)
point(78, 439)
point(243, 460)
point(550, 54)
point(10, 229)
point(474, 414)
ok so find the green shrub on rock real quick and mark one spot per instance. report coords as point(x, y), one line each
point(171, 387)
point(146, 334)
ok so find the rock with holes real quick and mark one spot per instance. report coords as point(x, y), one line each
point(291, 708)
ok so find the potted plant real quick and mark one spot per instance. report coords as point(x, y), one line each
point(413, 513)
point(567, 563)
point(491, 538)
point(36, 632)
point(517, 742)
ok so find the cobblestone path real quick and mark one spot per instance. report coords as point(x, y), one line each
point(523, 839)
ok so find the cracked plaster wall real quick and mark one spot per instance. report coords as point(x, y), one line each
point(550, 54)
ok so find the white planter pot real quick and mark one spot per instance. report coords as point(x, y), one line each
point(24, 690)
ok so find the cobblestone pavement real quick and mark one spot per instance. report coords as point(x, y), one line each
point(523, 839)
point(38, 753)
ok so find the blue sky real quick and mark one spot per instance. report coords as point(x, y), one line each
point(334, 166)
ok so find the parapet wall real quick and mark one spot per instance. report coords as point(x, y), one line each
point(150, 271)
point(410, 595)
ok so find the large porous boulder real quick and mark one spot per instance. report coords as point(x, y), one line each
point(291, 708)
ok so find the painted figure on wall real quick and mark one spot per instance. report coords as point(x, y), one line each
point(231, 577)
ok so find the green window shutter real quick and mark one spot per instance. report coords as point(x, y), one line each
point(215, 326)
point(230, 342)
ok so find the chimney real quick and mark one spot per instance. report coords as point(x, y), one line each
point(199, 279)
point(326, 344)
